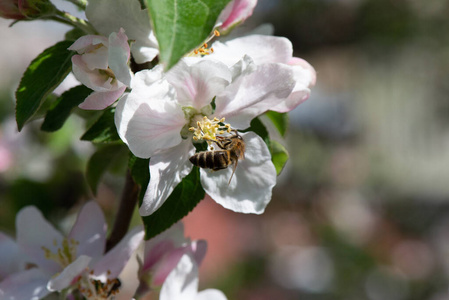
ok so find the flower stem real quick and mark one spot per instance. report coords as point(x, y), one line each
point(125, 212)
point(66, 18)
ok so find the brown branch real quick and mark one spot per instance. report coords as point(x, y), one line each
point(124, 213)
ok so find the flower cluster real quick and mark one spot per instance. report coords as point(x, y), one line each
point(42, 260)
point(176, 112)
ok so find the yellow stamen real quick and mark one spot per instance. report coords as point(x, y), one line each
point(208, 129)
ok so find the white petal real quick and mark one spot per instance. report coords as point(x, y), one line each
point(11, 258)
point(110, 15)
point(148, 119)
point(254, 93)
point(30, 284)
point(261, 48)
point(182, 282)
point(211, 294)
point(90, 231)
point(129, 279)
point(93, 78)
point(101, 100)
point(250, 188)
point(196, 85)
point(118, 56)
point(305, 77)
point(167, 169)
point(69, 274)
point(112, 264)
point(33, 233)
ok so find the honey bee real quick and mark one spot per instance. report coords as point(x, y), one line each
point(231, 150)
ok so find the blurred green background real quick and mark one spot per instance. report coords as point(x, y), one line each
point(361, 211)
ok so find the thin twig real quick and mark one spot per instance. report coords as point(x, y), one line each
point(124, 213)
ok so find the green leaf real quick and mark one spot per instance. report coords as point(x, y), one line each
point(103, 130)
point(43, 75)
point(259, 128)
point(279, 120)
point(100, 161)
point(140, 172)
point(60, 111)
point(181, 25)
point(279, 156)
point(182, 200)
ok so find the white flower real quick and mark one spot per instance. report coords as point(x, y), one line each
point(154, 121)
point(109, 16)
point(265, 49)
point(56, 262)
point(182, 283)
point(163, 252)
point(102, 65)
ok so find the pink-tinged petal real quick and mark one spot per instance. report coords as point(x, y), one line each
point(211, 294)
point(167, 169)
point(156, 253)
point(296, 61)
point(93, 79)
point(198, 84)
point(70, 273)
point(236, 12)
point(118, 56)
point(90, 231)
point(305, 77)
point(166, 265)
point(253, 94)
point(199, 249)
point(87, 41)
point(112, 264)
point(250, 188)
point(261, 48)
point(161, 244)
point(30, 284)
point(33, 233)
point(11, 258)
point(182, 282)
point(101, 100)
point(148, 119)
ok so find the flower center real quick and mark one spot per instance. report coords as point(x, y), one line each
point(204, 49)
point(65, 254)
point(207, 129)
point(98, 290)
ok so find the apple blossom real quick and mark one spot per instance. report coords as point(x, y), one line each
point(154, 121)
point(265, 49)
point(102, 65)
point(56, 262)
point(182, 283)
point(25, 9)
point(108, 16)
point(163, 252)
point(235, 13)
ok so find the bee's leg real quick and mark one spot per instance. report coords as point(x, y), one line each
point(220, 144)
point(233, 170)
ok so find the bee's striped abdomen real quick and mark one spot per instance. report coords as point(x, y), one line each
point(215, 160)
